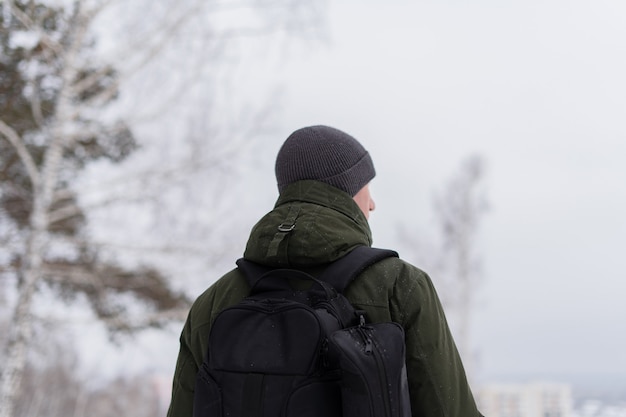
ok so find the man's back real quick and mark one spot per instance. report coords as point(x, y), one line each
point(323, 178)
point(390, 290)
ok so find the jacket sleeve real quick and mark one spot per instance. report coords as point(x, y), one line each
point(181, 404)
point(437, 380)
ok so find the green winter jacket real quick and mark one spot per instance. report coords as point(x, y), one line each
point(327, 224)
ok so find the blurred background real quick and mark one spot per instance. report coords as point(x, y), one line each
point(137, 145)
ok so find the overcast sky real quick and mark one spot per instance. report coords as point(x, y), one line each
point(537, 87)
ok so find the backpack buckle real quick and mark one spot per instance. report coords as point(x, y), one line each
point(286, 227)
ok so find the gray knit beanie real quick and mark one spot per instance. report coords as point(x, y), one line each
point(324, 154)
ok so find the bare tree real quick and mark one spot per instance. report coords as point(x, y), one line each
point(459, 209)
point(55, 389)
point(454, 257)
point(124, 396)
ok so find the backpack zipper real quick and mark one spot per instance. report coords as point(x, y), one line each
point(382, 375)
point(383, 381)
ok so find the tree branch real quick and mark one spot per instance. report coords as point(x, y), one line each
point(25, 156)
point(29, 24)
point(35, 105)
point(155, 319)
point(64, 213)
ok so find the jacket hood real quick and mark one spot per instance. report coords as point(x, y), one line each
point(312, 223)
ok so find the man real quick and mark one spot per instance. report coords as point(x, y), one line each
point(321, 215)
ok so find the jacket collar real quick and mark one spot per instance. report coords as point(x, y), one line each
point(312, 223)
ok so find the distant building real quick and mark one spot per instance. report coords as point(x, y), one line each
point(596, 408)
point(537, 399)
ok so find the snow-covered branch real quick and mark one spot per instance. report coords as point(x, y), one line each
point(25, 156)
point(34, 26)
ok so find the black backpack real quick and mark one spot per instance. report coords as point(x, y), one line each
point(295, 348)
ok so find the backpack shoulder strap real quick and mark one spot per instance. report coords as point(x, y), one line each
point(342, 272)
point(339, 274)
point(251, 270)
